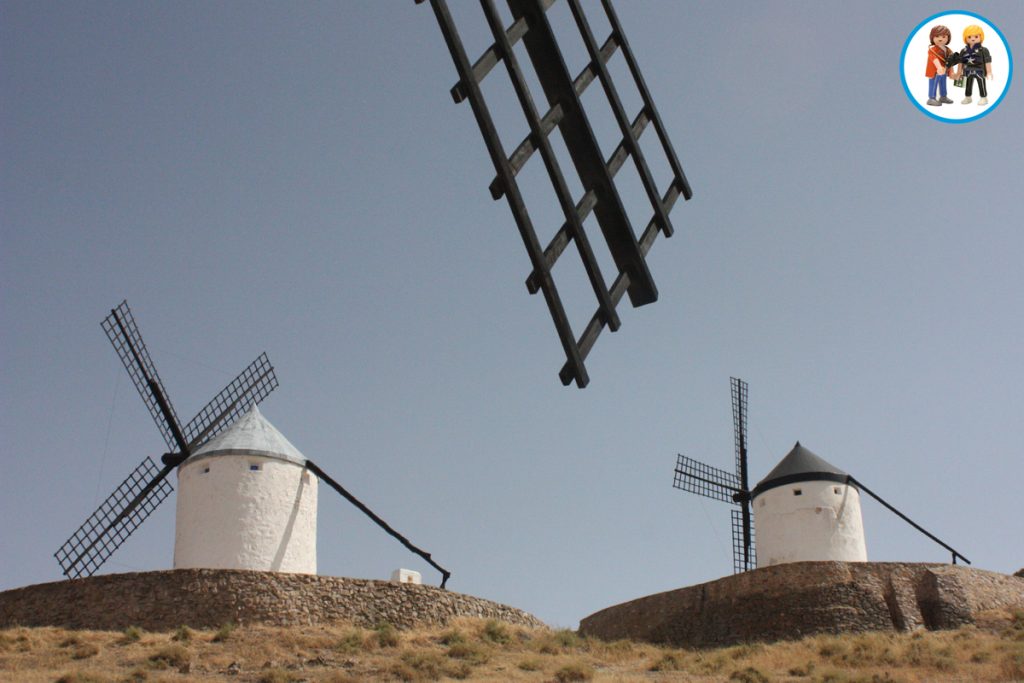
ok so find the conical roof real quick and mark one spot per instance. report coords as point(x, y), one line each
point(251, 434)
point(800, 464)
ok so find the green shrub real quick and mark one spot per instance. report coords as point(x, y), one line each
point(132, 634)
point(387, 635)
point(567, 638)
point(224, 632)
point(496, 632)
point(353, 641)
point(452, 637)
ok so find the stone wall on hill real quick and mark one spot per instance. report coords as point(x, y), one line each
point(793, 600)
point(209, 598)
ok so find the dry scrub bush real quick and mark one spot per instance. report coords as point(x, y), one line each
point(429, 666)
point(495, 632)
point(183, 634)
point(574, 671)
point(749, 675)
point(451, 637)
point(387, 635)
point(224, 633)
point(278, 675)
point(531, 664)
point(84, 651)
point(132, 634)
point(1012, 665)
point(170, 656)
point(470, 653)
point(670, 661)
point(81, 677)
point(353, 641)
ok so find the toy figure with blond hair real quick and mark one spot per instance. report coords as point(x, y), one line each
point(975, 63)
point(935, 71)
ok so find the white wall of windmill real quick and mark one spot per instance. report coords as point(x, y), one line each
point(246, 512)
point(809, 520)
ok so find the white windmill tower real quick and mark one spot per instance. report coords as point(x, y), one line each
point(806, 508)
point(248, 497)
point(246, 501)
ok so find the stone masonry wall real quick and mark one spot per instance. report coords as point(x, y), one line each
point(793, 600)
point(209, 598)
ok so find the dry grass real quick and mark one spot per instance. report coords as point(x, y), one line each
point(478, 650)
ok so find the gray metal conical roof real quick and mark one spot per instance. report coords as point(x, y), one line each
point(800, 464)
point(251, 434)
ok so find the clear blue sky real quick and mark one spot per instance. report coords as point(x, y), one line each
point(295, 178)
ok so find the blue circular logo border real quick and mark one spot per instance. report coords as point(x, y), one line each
point(903, 76)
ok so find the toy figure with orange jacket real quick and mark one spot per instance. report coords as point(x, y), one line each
point(935, 71)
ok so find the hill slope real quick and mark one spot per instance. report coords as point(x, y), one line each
point(479, 650)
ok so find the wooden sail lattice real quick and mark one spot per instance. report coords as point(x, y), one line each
point(565, 112)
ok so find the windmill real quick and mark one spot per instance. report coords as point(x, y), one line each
point(146, 487)
point(211, 434)
point(696, 477)
point(807, 508)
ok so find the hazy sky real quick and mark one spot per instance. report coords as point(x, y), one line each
point(295, 178)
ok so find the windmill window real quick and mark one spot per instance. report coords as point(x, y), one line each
point(835, 490)
point(798, 492)
point(206, 469)
point(255, 468)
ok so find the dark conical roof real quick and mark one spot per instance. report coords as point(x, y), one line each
point(800, 464)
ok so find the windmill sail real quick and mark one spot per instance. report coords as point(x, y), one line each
point(113, 521)
point(248, 389)
point(729, 487)
point(127, 341)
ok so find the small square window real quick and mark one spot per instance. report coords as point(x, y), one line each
point(255, 468)
point(798, 492)
point(206, 470)
point(835, 490)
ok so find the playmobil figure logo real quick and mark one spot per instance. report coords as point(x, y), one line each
point(956, 66)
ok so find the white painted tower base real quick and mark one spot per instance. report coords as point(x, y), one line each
point(804, 510)
point(246, 501)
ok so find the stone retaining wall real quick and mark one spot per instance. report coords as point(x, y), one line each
point(209, 598)
point(802, 598)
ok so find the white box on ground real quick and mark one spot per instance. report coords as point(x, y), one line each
point(405, 576)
